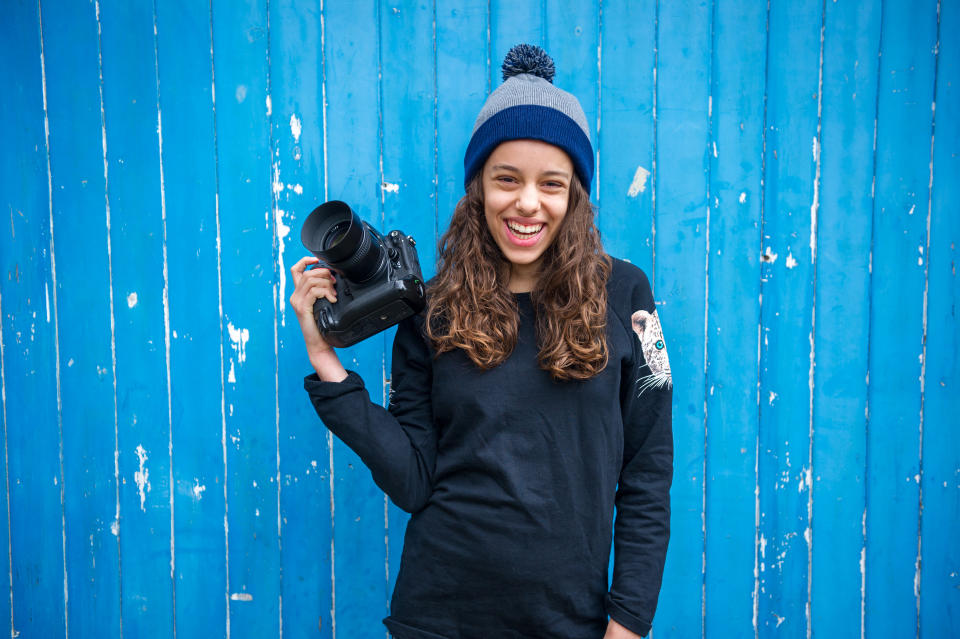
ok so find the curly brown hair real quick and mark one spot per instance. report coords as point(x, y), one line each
point(470, 306)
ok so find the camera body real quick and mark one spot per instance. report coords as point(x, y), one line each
point(379, 282)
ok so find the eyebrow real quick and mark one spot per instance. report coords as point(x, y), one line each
point(510, 167)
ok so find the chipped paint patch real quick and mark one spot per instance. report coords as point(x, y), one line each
point(115, 528)
point(389, 187)
point(241, 93)
point(232, 375)
point(142, 477)
point(132, 300)
point(241, 596)
point(639, 183)
point(269, 106)
point(282, 232)
point(791, 262)
point(769, 255)
point(295, 128)
point(198, 489)
point(743, 197)
point(773, 397)
point(239, 338)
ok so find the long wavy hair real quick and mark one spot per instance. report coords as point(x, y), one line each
point(471, 307)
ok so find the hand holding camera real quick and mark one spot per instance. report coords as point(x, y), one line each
point(366, 284)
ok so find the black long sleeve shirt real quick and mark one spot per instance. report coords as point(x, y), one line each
point(512, 477)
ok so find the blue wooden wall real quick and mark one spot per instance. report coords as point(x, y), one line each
point(786, 172)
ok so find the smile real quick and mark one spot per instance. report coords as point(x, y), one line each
point(524, 231)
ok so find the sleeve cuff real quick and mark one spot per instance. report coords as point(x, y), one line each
point(321, 390)
point(629, 621)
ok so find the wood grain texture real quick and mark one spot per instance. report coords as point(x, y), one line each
point(779, 171)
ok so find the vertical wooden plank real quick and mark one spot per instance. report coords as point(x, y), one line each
point(84, 306)
point(791, 199)
point(680, 281)
point(851, 43)
point(133, 132)
point(733, 318)
point(625, 142)
point(513, 22)
point(240, 52)
point(185, 85)
point(905, 88)
point(35, 581)
point(296, 96)
point(572, 38)
point(461, 90)
point(409, 158)
point(940, 483)
point(352, 55)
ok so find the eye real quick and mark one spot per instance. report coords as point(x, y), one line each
point(659, 344)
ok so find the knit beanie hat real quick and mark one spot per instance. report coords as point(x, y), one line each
point(528, 106)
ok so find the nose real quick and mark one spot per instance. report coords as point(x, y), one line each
point(528, 200)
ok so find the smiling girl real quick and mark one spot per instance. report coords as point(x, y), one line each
point(531, 397)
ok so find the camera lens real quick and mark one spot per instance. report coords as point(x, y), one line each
point(335, 234)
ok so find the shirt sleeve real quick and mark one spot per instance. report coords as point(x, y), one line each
point(642, 525)
point(398, 445)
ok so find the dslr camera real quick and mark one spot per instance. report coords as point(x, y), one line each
point(378, 279)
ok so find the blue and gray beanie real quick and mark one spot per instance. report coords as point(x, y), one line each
point(528, 106)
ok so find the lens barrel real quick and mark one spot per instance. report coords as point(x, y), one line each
point(337, 237)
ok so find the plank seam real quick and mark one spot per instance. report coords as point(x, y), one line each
point(223, 399)
point(166, 326)
point(113, 340)
point(926, 290)
point(866, 434)
point(278, 293)
point(653, 161)
point(814, 241)
point(711, 159)
point(330, 464)
point(763, 201)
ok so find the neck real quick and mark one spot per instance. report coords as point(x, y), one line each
point(523, 277)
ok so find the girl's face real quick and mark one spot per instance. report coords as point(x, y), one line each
point(526, 189)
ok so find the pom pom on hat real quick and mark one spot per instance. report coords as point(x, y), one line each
point(527, 58)
point(527, 106)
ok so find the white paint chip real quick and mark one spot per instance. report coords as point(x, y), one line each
point(241, 93)
point(241, 596)
point(198, 489)
point(295, 128)
point(142, 477)
point(269, 106)
point(232, 375)
point(639, 183)
point(743, 197)
point(132, 300)
point(282, 232)
point(389, 187)
point(791, 263)
point(239, 338)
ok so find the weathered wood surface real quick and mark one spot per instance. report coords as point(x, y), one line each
point(786, 174)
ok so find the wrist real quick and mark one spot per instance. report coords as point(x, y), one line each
point(327, 365)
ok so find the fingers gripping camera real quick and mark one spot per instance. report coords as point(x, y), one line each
point(379, 281)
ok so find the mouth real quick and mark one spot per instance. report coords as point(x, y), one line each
point(524, 234)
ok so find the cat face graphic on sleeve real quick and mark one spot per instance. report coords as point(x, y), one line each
point(647, 327)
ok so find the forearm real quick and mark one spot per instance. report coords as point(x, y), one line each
point(327, 365)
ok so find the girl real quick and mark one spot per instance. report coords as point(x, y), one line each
point(529, 398)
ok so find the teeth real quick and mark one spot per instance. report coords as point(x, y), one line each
point(524, 228)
